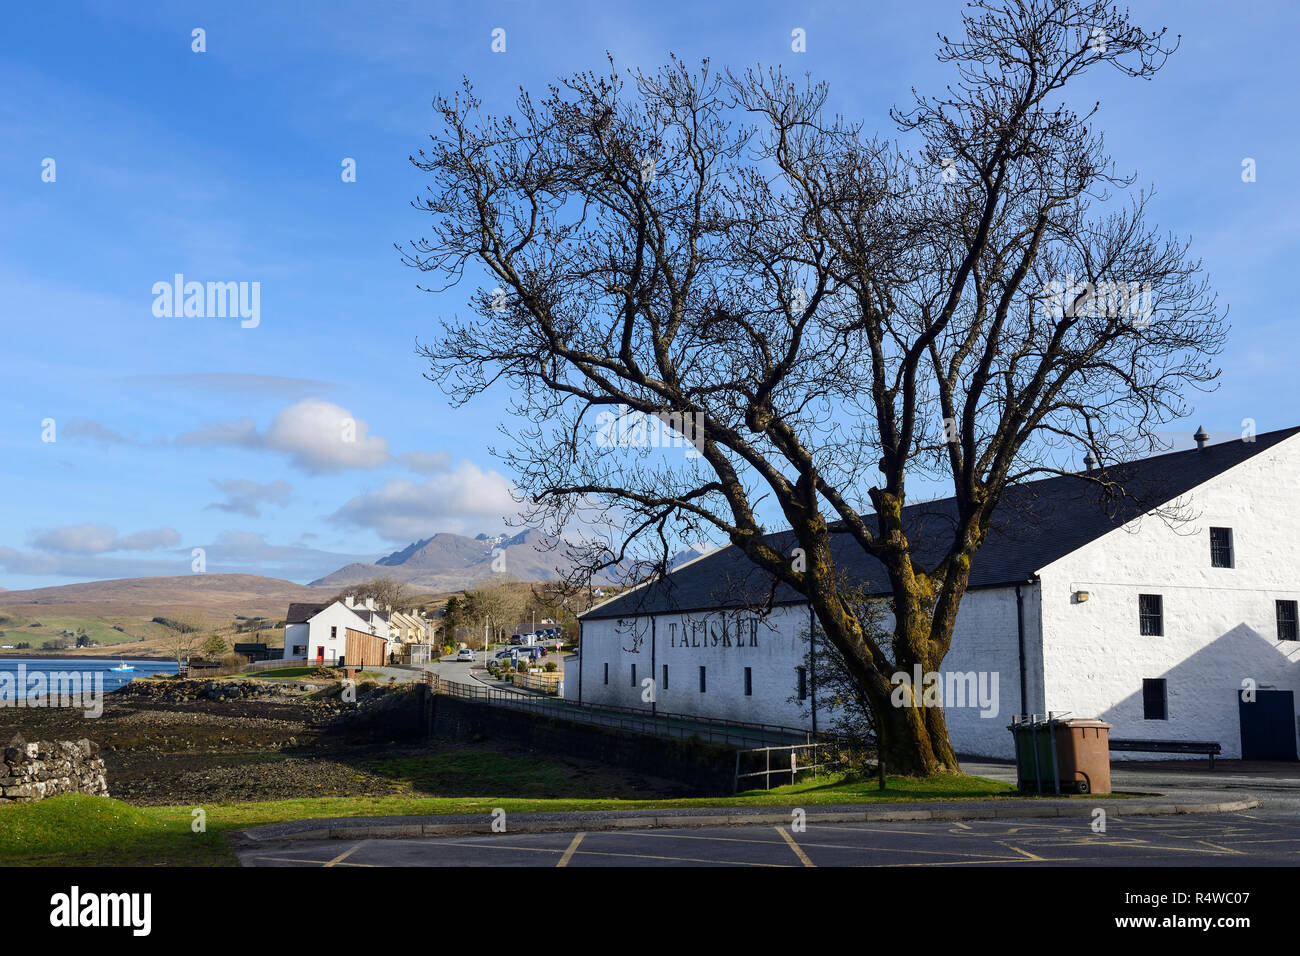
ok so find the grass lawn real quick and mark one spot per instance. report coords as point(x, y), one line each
point(82, 830)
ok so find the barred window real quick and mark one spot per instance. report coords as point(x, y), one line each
point(1286, 621)
point(801, 680)
point(1151, 615)
point(1221, 547)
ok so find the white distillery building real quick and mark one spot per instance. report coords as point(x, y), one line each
point(1075, 606)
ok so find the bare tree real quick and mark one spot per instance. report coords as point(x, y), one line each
point(495, 606)
point(824, 315)
point(387, 592)
point(186, 635)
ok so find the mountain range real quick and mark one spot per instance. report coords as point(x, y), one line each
point(450, 562)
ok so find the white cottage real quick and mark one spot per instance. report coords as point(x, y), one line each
point(319, 631)
point(1078, 605)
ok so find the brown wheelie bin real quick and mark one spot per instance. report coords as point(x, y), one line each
point(1083, 755)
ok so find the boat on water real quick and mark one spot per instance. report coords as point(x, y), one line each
point(124, 666)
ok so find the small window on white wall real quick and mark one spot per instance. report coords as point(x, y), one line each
point(1221, 548)
point(1286, 621)
point(1151, 615)
point(1155, 702)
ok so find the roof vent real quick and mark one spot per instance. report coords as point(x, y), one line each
point(1089, 462)
point(1201, 436)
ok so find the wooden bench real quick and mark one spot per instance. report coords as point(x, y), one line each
point(1207, 747)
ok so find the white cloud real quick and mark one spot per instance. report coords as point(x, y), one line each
point(92, 430)
point(246, 497)
point(101, 538)
point(460, 499)
point(427, 462)
point(317, 436)
point(230, 552)
point(242, 432)
point(322, 436)
point(88, 567)
point(149, 540)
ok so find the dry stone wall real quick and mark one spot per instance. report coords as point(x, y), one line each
point(47, 768)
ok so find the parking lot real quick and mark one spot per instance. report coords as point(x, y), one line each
point(1227, 839)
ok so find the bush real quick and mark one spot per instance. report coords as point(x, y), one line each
point(551, 667)
point(181, 626)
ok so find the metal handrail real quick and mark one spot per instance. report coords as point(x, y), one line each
point(793, 769)
point(659, 723)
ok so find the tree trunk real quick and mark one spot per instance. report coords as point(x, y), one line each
point(913, 739)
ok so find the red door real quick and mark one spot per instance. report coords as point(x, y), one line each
point(320, 655)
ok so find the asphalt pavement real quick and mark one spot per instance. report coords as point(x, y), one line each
point(1247, 838)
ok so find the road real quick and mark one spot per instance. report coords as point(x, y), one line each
point(1250, 839)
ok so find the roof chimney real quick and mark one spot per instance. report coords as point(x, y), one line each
point(349, 601)
point(370, 604)
point(1089, 462)
point(1201, 436)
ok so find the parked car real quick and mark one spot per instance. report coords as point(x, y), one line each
point(465, 654)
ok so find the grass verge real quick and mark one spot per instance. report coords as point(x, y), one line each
point(80, 830)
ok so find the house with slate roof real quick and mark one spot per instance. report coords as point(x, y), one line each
point(319, 632)
point(1152, 611)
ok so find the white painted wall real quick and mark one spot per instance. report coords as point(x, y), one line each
point(296, 635)
point(1220, 623)
point(1087, 659)
point(338, 619)
point(985, 642)
point(771, 647)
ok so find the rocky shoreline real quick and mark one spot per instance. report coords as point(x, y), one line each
point(193, 741)
point(196, 742)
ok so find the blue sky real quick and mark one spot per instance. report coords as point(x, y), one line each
point(180, 433)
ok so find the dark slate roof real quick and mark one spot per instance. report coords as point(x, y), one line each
point(302, 613)
point(368, 615)
point(1035, 524)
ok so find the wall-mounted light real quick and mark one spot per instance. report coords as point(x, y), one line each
point(1081, 596)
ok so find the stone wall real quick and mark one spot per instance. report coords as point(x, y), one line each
point(47, 768)
point(172, 690)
